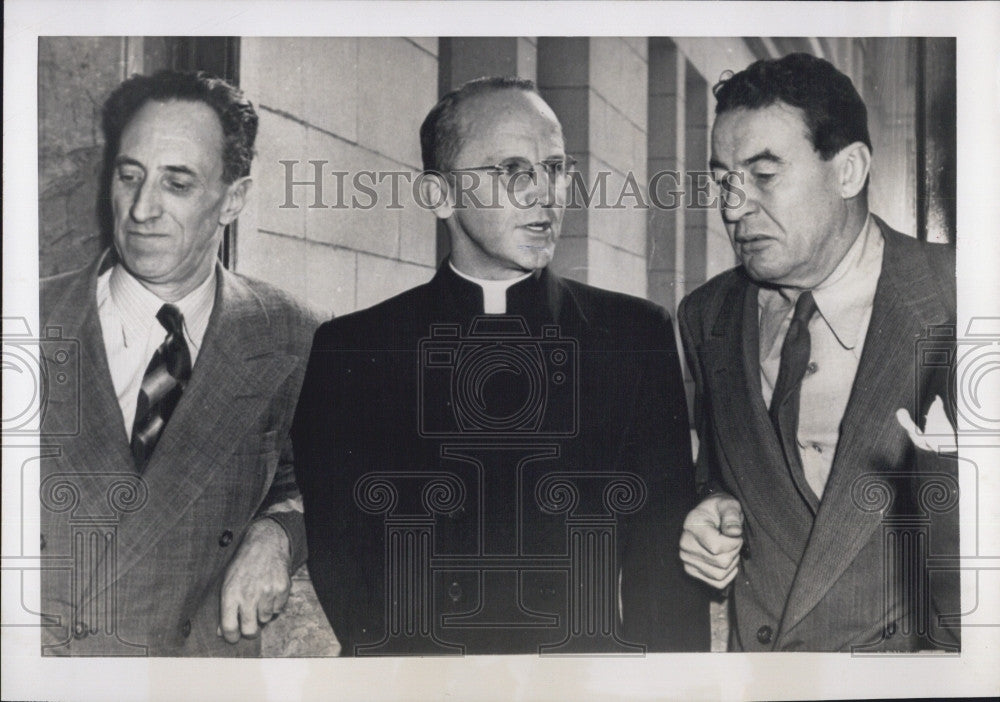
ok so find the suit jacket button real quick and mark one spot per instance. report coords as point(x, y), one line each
point(79, 630)
point(186, 629)
point(765, 634)
point(455, 592)
point(226, 538)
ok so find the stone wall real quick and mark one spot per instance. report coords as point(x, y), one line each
point(75, 75)
point(337, 105)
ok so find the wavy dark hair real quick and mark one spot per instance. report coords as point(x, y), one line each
point(236, 114)
point(834, 112)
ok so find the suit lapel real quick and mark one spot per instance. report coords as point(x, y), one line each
point(747, 436)
point(101, 449)
point(237, 372)
point(564, 309)
point(905, 303)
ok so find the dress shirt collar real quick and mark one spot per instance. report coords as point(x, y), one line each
point(494, 291)
point(844, 299)
point(137, 306)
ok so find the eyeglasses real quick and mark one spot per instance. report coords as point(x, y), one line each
point(520, 173)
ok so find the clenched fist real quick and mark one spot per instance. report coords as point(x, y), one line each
point(712, 539)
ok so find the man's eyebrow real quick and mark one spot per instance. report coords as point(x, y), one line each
point(180, 170)
point(126, 161)
point(765, 155)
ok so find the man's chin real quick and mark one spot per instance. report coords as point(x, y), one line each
point(145, 269)
point(534, 259)
point(762, 270)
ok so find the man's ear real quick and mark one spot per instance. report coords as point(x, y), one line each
point(436, 195)
point(236, 199)
point(853, 165)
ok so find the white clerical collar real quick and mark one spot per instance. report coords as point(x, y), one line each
point(494, 291)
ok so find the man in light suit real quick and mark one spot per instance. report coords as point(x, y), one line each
point(498, 461)
point(171, 520)
point(811, 396)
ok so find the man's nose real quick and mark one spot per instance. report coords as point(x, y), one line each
point(737, 199)
point(146, 203)
point(549, 188)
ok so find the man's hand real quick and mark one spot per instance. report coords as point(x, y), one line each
point(257, 582)
point(712, 539)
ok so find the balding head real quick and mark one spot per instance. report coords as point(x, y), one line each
point(443, 130)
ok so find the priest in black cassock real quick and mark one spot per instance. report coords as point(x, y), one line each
point(499, 461)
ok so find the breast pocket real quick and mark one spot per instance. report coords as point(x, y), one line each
point(257, 443)
point(253, 466)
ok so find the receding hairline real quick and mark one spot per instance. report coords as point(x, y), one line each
point(465, 119)
point(446, 128)
point(219, 132)
point(165, 101)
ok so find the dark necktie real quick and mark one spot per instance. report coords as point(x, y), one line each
point(162, 385)
point(784, 409)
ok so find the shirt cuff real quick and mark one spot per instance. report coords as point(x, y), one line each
point(294, 526)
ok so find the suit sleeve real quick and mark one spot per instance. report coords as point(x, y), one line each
point(661, 606)
point(706, 479)
point(283, 502)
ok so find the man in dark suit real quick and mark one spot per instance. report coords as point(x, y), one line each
point(498, 461)
point(807, 371)
point(170, 515)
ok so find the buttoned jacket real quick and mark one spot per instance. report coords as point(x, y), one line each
point(133, 564)
point(837, 578)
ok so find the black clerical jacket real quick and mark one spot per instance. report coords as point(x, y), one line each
point(499, 483)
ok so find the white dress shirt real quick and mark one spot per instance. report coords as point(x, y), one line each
point(494, 291)
point(131, 332)
point(837, 336)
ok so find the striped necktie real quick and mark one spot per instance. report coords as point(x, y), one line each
point(162, 385)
